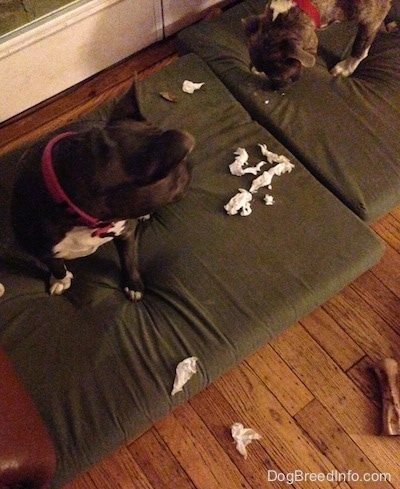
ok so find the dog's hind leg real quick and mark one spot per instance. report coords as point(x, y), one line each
point(347, 66)
point(60, 278)
point(365, 36)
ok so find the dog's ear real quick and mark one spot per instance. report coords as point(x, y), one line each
point(105, 168)
point(251, 24)
point(172, 147)
point(101, 145)
point(128, 106)
point(295, 51)
point(306, 59)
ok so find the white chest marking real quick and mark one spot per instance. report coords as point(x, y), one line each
point(280, 7)
point(80, 241)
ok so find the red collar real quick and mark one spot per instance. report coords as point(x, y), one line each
point(311, 10)
point(58, 194)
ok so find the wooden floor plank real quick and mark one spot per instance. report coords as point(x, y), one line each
point(394, 213)
point(336, 444)
point(387, 270)
point(257, 408)
point(196, 450)
point(351, 409)
point(118, 471)
point(365, 326)
point(364, 377)
point(158, 463)
point(332, 338)
point(389, 229)
point(219, 415)
point(280, 380)
point(380, 298)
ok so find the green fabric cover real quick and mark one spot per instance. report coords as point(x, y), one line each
point(101, 368)
point(344, 130)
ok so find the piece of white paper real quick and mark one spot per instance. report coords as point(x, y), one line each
point(184, 371)
point(242, 437)
point(241, 156)
point(273, 157)
point(265, 179)
point(269, 199)
point(240, 201)
point(189, 86)
point(237, 167)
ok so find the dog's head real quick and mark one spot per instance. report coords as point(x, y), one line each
point(281, 47)
point(130, 166)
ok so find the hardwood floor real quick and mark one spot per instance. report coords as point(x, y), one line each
point(311, 392)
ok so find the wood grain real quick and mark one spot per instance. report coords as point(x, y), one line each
point(310, 392)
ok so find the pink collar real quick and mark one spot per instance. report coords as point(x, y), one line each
point(58, 194)
point(311, 10)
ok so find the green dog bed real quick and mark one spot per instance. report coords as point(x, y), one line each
point(344, 130)
point(101, 368)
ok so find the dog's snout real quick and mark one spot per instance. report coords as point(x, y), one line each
point(181, 141)
point(279, 83)
point(188, 141)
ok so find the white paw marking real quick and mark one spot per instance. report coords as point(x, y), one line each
point(133, 295)
point(57, 286)
point(348, 65)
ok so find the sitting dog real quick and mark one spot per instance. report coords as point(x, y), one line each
point(87, 186)
point(282, 41)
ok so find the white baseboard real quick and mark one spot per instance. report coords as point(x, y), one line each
point(178, 14)
point(70, 46)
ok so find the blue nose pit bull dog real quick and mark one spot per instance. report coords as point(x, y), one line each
point(87, 186)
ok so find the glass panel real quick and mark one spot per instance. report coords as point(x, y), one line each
point(15, 14)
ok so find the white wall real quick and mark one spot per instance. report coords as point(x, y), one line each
point(71, 46)
point(180, 13)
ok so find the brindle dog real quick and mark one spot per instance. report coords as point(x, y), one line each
point(282, 41)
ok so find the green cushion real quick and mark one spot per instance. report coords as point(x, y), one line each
point(344, 130)
point(101, 368)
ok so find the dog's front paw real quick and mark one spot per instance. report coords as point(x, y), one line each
point(58, 285)
point(133, 295)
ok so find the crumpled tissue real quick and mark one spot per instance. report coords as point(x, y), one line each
point(236, 168)
point(239, 201)
point(266, 177)
point(272, 157)
point(269, 199)
point(184, 371)
point(190, 87)
point(242, 437)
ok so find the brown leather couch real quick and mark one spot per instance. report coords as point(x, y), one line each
point(27, 456)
